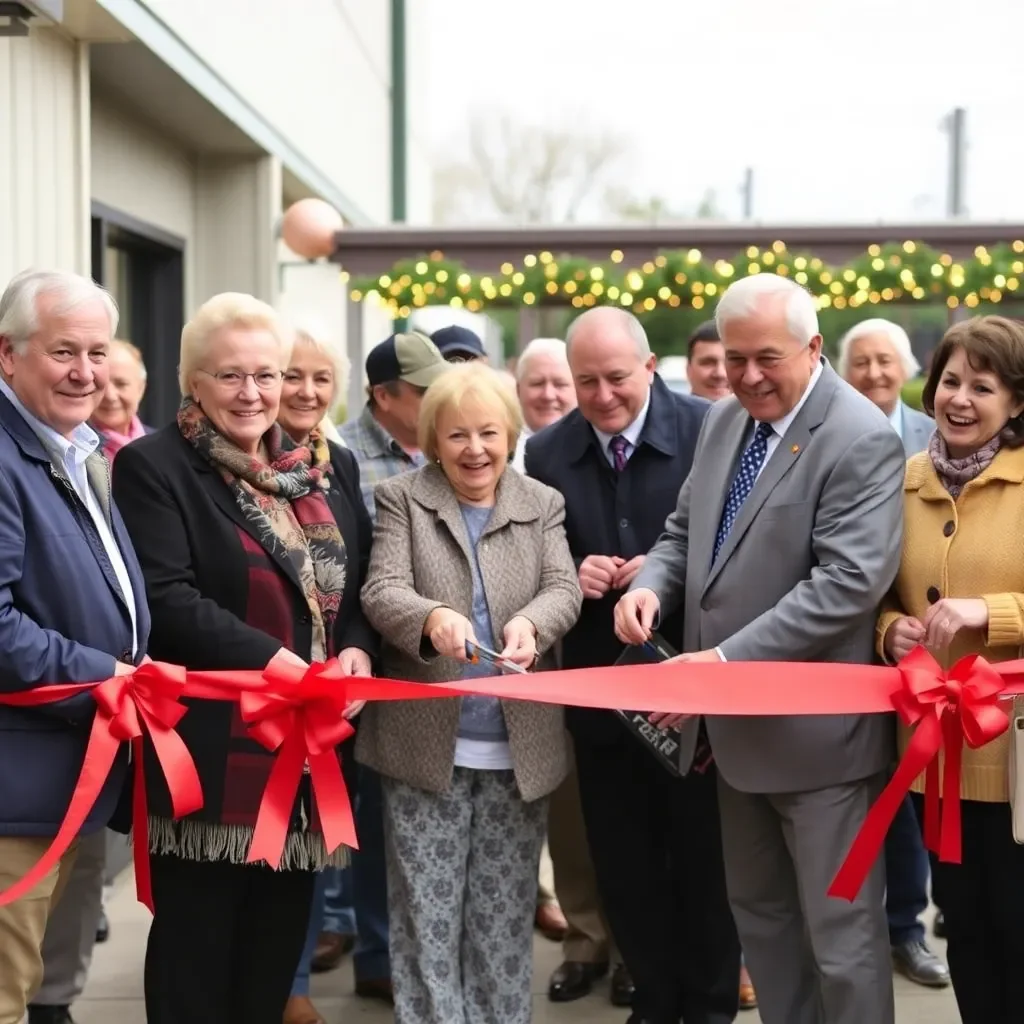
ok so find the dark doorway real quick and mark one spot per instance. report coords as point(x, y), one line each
point(143, 268)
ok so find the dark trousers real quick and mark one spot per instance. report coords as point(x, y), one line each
point(983, 900)
point(370, 961)
point(906, 876)
point(657, 849)
point(225, 941)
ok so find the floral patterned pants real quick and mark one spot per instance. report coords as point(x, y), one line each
point(462, 890)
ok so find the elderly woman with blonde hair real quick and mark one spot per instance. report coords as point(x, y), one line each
point(467, 552)
point(252, 549)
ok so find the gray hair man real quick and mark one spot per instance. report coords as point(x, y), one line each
point(72, 598)
point(545, 389)
point(785, 554)
point(875, 357)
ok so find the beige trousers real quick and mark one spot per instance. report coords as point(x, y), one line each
point(23, 923)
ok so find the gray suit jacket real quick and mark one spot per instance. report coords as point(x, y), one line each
point(815, 547)
point(917, 430)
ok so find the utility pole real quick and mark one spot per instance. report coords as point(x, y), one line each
point(955, 125)
point(399, 123)
point(399, 112)
point(747, 192)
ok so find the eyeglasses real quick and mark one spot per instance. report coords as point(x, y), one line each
point(235, 379)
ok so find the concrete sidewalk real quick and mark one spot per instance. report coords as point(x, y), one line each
point(114, 993)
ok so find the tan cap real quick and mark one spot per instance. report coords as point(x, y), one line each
point(410, 356)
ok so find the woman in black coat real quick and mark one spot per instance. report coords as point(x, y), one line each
point(250, 546)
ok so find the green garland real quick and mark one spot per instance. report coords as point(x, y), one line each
point(895, 272)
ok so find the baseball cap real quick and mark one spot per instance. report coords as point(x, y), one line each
point(411, 357)
point(457, 340)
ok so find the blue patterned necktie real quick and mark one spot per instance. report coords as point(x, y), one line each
point(617, 445)
point(743, 483)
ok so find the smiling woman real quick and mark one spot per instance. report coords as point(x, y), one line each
point(253, 548)
point(467, 552)
point(960, 592)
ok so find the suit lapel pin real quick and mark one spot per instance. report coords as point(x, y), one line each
point(795, 449)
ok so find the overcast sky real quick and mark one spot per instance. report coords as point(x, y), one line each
point(836, 104)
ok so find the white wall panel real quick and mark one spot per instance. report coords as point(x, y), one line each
point(44, 110)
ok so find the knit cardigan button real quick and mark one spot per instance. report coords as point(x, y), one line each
point(948, 529)
point(933, 595)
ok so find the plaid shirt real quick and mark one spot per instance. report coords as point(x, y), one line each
point(379, 455)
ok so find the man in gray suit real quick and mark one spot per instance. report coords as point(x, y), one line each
point(785, 538)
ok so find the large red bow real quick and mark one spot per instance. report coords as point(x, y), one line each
point(948, 709)
point(144, 701)
point(300, 715)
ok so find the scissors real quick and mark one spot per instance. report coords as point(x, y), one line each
point(476, 653)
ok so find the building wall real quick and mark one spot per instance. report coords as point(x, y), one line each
point(136, 169)
point(317, 70)
point(44, 167)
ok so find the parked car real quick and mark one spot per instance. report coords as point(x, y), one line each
point(672, 370)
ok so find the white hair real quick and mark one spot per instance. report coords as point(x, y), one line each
point(310, 330)
point(314, 332)
point(135, 352)
point(229, 309)
point(896, 335)
point(19, 304)
point(743, 297)
point(553, 347)
point(633, 327)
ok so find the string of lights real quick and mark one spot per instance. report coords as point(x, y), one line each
point(894, 272)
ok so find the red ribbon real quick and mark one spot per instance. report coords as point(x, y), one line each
point(948, 709)
point(144, 700)
point(299, 714)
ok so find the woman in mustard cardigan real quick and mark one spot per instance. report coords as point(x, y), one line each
point(960, 590)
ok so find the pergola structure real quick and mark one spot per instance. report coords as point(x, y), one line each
point(518, 256)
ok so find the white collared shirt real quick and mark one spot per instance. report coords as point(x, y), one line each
point(780, 426)
point(519, 455)
point(631, 433)
point(896, 419)
point(74, 451)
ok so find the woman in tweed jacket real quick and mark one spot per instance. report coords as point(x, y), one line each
point(465, 549)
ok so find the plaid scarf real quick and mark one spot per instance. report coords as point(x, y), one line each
point(283, 497)
point(956, 473)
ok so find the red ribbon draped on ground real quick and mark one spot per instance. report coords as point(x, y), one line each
point(298, 713)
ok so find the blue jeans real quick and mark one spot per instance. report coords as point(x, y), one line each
point(906, 870)
point(300, 986)
point(354, 900)
point(371, 959)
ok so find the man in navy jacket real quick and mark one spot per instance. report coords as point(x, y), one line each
point(619, 459)
point(72, 597)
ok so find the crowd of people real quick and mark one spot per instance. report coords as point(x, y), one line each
point(460, 525)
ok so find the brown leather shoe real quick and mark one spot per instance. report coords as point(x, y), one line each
point(300, 1010)
point(550, 922)
point(376, 988)
point(748, 997)
point(330, 951)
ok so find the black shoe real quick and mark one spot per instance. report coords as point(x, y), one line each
point(915, 960)
point(49, 1015)
point(622, 986)
point(939, 926)
point(102, 928)
point(573, 980)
